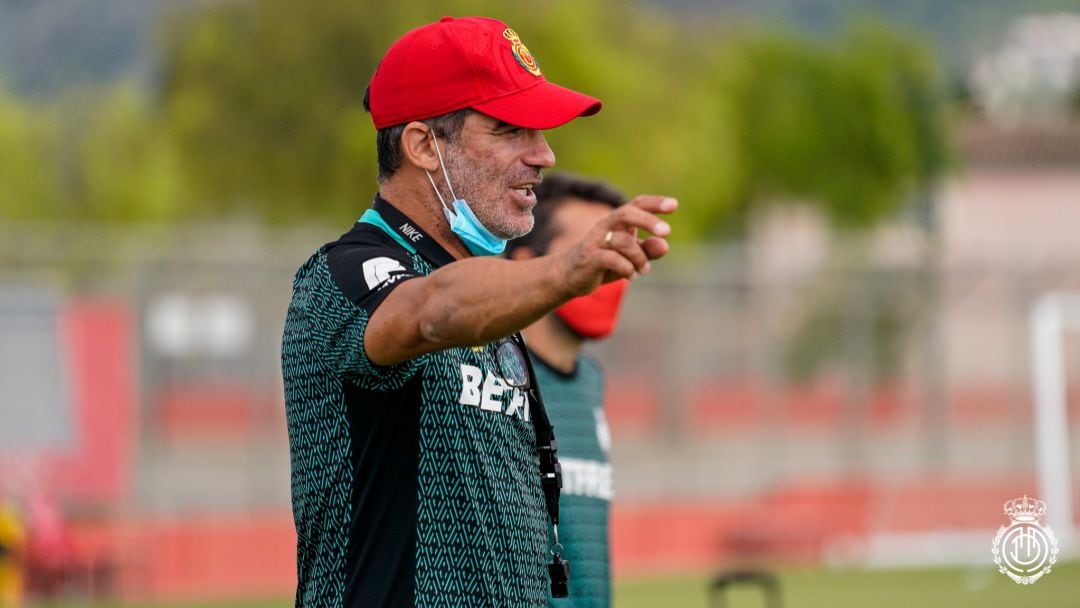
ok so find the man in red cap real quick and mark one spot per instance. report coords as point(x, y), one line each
point(424, 466)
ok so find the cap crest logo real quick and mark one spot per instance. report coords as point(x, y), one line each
point(522, 54)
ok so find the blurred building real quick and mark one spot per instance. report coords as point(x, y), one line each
point(1035, 74)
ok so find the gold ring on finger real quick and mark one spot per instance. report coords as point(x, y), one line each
point(607, 238)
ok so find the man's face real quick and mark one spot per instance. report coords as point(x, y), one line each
point(572, 221)
point(493, 166)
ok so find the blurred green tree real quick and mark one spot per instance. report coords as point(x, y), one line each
point(27, 176)
point(91, 154)
point(126, 167)
point(850, 126)
point(263, 100)
point(857, 128)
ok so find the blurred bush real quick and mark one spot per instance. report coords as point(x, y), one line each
point(27, 175)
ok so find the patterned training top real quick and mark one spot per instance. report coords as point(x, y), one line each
point(415, 484)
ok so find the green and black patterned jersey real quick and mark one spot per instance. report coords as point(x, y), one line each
point(415, 484)
point(575, 405)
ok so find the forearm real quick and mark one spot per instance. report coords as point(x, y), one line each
point(470, 302)
point(478, 300)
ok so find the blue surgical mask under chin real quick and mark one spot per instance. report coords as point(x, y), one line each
point(463, 222)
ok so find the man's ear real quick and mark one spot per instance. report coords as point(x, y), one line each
point(417, 146)
point(522, 253)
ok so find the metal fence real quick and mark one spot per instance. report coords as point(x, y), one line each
point(730, 373)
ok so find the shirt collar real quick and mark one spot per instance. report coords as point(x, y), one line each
point(412, 232)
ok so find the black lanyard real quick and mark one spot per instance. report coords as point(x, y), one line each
point(550, 470)
point(412, 233)
point(550, 473)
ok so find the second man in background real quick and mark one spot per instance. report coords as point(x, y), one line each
point(572, 382)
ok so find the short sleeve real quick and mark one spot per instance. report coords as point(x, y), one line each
point(366, 274)
point(334, 295)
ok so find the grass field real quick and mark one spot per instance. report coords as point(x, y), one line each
point(938, 588)
point(981, 587)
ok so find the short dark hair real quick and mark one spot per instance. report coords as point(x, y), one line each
point(388, 140)
point(552, 193)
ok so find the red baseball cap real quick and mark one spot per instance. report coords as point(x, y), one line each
point(472, 62)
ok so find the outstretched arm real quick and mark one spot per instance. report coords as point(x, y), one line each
point(477, 300)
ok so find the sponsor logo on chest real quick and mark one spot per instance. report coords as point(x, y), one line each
point(483, 389)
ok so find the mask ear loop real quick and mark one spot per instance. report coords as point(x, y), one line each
point(446, 175)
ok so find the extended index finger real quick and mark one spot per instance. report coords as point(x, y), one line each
point(633, 217)
point(655, 203)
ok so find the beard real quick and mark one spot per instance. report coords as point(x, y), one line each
point(486, 191)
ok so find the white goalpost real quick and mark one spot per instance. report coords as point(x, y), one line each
point(1053, 315)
